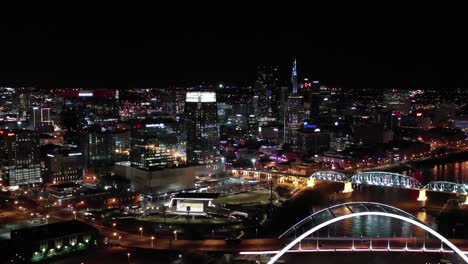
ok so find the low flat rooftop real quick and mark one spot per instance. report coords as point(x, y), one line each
point(51, 230)
point(197, 195)
point(64, 185)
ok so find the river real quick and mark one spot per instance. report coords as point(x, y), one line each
point(405, 199)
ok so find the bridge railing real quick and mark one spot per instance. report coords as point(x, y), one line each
point(373, 209)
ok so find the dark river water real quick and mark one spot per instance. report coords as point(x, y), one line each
point(404, 199)
point(450, 171)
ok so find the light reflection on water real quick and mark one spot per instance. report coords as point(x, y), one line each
point(454, 172)
point(377, 226)
point(449, 171)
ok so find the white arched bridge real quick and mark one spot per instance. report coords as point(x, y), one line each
point(314, 223)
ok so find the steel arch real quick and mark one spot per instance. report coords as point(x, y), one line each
point(384, 178)
point(445, 186)
point(329, 176)
point(389, 211)
point(367, 206)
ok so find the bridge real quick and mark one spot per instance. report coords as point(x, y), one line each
point(300, 237)
point(328, 216)
point(377, 178)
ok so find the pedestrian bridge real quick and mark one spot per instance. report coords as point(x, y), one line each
point(391, 179)
point(329, 176)
point(328, 216)
point(378, 178)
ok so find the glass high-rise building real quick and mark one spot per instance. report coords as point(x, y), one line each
point(20, 164)
point(267, 94)
point(201, 115)
point(155, 144)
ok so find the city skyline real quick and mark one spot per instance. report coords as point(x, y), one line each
point(103, 56)
point(143, 143)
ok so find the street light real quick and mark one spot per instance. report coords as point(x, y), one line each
point(175, 234)
point(128, 256)
point(141, 231)
point(47, 219)
point(152, 240)
point(74, 212)
point(114, 224)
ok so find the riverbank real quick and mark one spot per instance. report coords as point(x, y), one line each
point(416, 164)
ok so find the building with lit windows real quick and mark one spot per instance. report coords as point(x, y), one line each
point(460, 123)
point(201, 117)
point(45, 242)
point(311, 140)
point(267, 94)
point(156, 144)
point(63, 167)
point(397, 100)
point(293, 120)
point(101, 147)
point(165, 180)
point(20, 162)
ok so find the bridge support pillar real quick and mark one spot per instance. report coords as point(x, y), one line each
point(422, 195)
point(310, 182)
point(348, 187)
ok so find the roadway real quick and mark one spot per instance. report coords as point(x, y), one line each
point(134, 240)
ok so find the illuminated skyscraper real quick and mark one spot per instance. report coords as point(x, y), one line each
point(293, 120)
point(294, 113)
point(267, 94)
point(201, 115)
point(20, 163)
point(155, 144)
point(294, 77)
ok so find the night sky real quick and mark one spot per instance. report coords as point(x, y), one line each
point(146, 55)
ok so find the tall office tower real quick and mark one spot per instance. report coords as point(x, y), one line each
point(179, 100)
point(267, 94)
point(332, 104)
point(311, 92)
point(201, 114)
point(23, 103)
point(294, 113)
point(98, 147)
point(155, 144)
point(294, 78)
point(293, 119)
point(20, 162)
point(85, 108)
point(45, 123)
point(34, 117)
point(284, 93)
